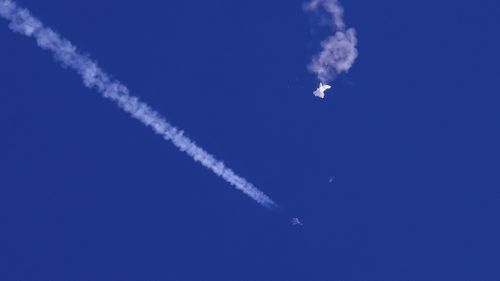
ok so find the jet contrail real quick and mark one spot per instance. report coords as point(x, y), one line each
point(339, 50)
point(94, 77)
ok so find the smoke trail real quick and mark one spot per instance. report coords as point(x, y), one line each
point(94, 77)
point(339, 50)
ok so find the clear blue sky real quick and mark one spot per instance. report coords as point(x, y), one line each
point(410, 136)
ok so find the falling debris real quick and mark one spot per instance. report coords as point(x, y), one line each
point(296, 221)
point(320, 92)
point(338, 51)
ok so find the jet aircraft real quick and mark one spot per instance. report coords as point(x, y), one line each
point(296, 221)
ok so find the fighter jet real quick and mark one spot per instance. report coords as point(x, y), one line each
point(296, 221)
point(320, 92)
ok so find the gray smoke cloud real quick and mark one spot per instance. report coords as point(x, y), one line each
point(94, 77)
point(338, 51)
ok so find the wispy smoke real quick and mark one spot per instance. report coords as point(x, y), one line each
point(339, 50)
point(94, 77)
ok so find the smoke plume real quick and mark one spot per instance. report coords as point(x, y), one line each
point(338, 51)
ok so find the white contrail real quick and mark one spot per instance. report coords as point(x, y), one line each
point(94, 77)
point(339, 50)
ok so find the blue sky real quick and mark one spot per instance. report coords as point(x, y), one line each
point(410, 136)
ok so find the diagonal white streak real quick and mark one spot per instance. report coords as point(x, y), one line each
point(94, 77)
